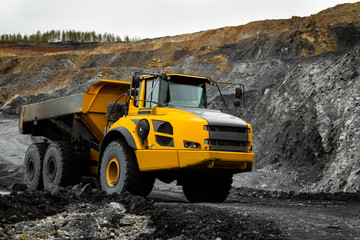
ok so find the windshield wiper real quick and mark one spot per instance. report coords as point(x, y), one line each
point(222, 97)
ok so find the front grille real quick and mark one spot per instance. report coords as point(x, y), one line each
point(224, 138)
point(227, 129)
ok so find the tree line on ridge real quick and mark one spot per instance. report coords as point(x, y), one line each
point(65, 36)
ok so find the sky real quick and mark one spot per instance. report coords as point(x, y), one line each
point(147, 18)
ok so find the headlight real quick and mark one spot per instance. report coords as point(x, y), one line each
point(143, 128)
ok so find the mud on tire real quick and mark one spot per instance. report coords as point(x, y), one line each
point(119, 171)
point(33, 161)
point(60, 168)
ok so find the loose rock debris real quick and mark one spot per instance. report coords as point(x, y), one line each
point(83, 221)
point(83, 212)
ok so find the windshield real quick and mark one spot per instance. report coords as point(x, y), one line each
point(168, 93)
point(185, 95)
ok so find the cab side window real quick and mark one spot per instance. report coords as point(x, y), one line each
point(152, 92)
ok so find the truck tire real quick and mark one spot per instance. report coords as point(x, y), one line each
point(59, 166)
point(33, 165)
point(119, 171)
point(207, 188)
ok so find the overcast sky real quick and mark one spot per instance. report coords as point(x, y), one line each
point(147, 18)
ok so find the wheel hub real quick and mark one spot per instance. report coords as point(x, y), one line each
point(51, 169)
point(113, 172)
point(30, 169)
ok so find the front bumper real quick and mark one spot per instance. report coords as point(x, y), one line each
point(152, 160)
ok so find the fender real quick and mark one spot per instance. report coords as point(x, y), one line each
point(114, 134)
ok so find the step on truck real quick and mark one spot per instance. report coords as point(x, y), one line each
point(127, 134)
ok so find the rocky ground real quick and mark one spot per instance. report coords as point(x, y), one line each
point(83, 212)
point(89, 214)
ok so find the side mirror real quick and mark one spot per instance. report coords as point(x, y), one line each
point(237, 103)
point(135, 81)
point(239, 93)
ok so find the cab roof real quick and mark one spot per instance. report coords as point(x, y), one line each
point(178, 77)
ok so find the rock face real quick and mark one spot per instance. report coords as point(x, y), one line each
point(302, 80)
point(306, 118)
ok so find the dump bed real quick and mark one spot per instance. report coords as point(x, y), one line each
point(89, 107)
point(51, 109)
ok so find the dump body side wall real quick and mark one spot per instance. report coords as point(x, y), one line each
point(90, 107)
point(60, 107)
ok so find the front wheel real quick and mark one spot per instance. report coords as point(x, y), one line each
point(119, 171)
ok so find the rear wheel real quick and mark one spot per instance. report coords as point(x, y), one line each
point(119, 171)
point(207, 188)
point(59, 166)
point(33, 165)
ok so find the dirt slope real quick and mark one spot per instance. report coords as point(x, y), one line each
point(50, 64)
point(327, 30)
point(301, 76)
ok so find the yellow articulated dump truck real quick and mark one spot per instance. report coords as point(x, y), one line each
point(127, 134)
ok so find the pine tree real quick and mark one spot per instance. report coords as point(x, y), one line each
point(37, 37)
point(19, 37)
